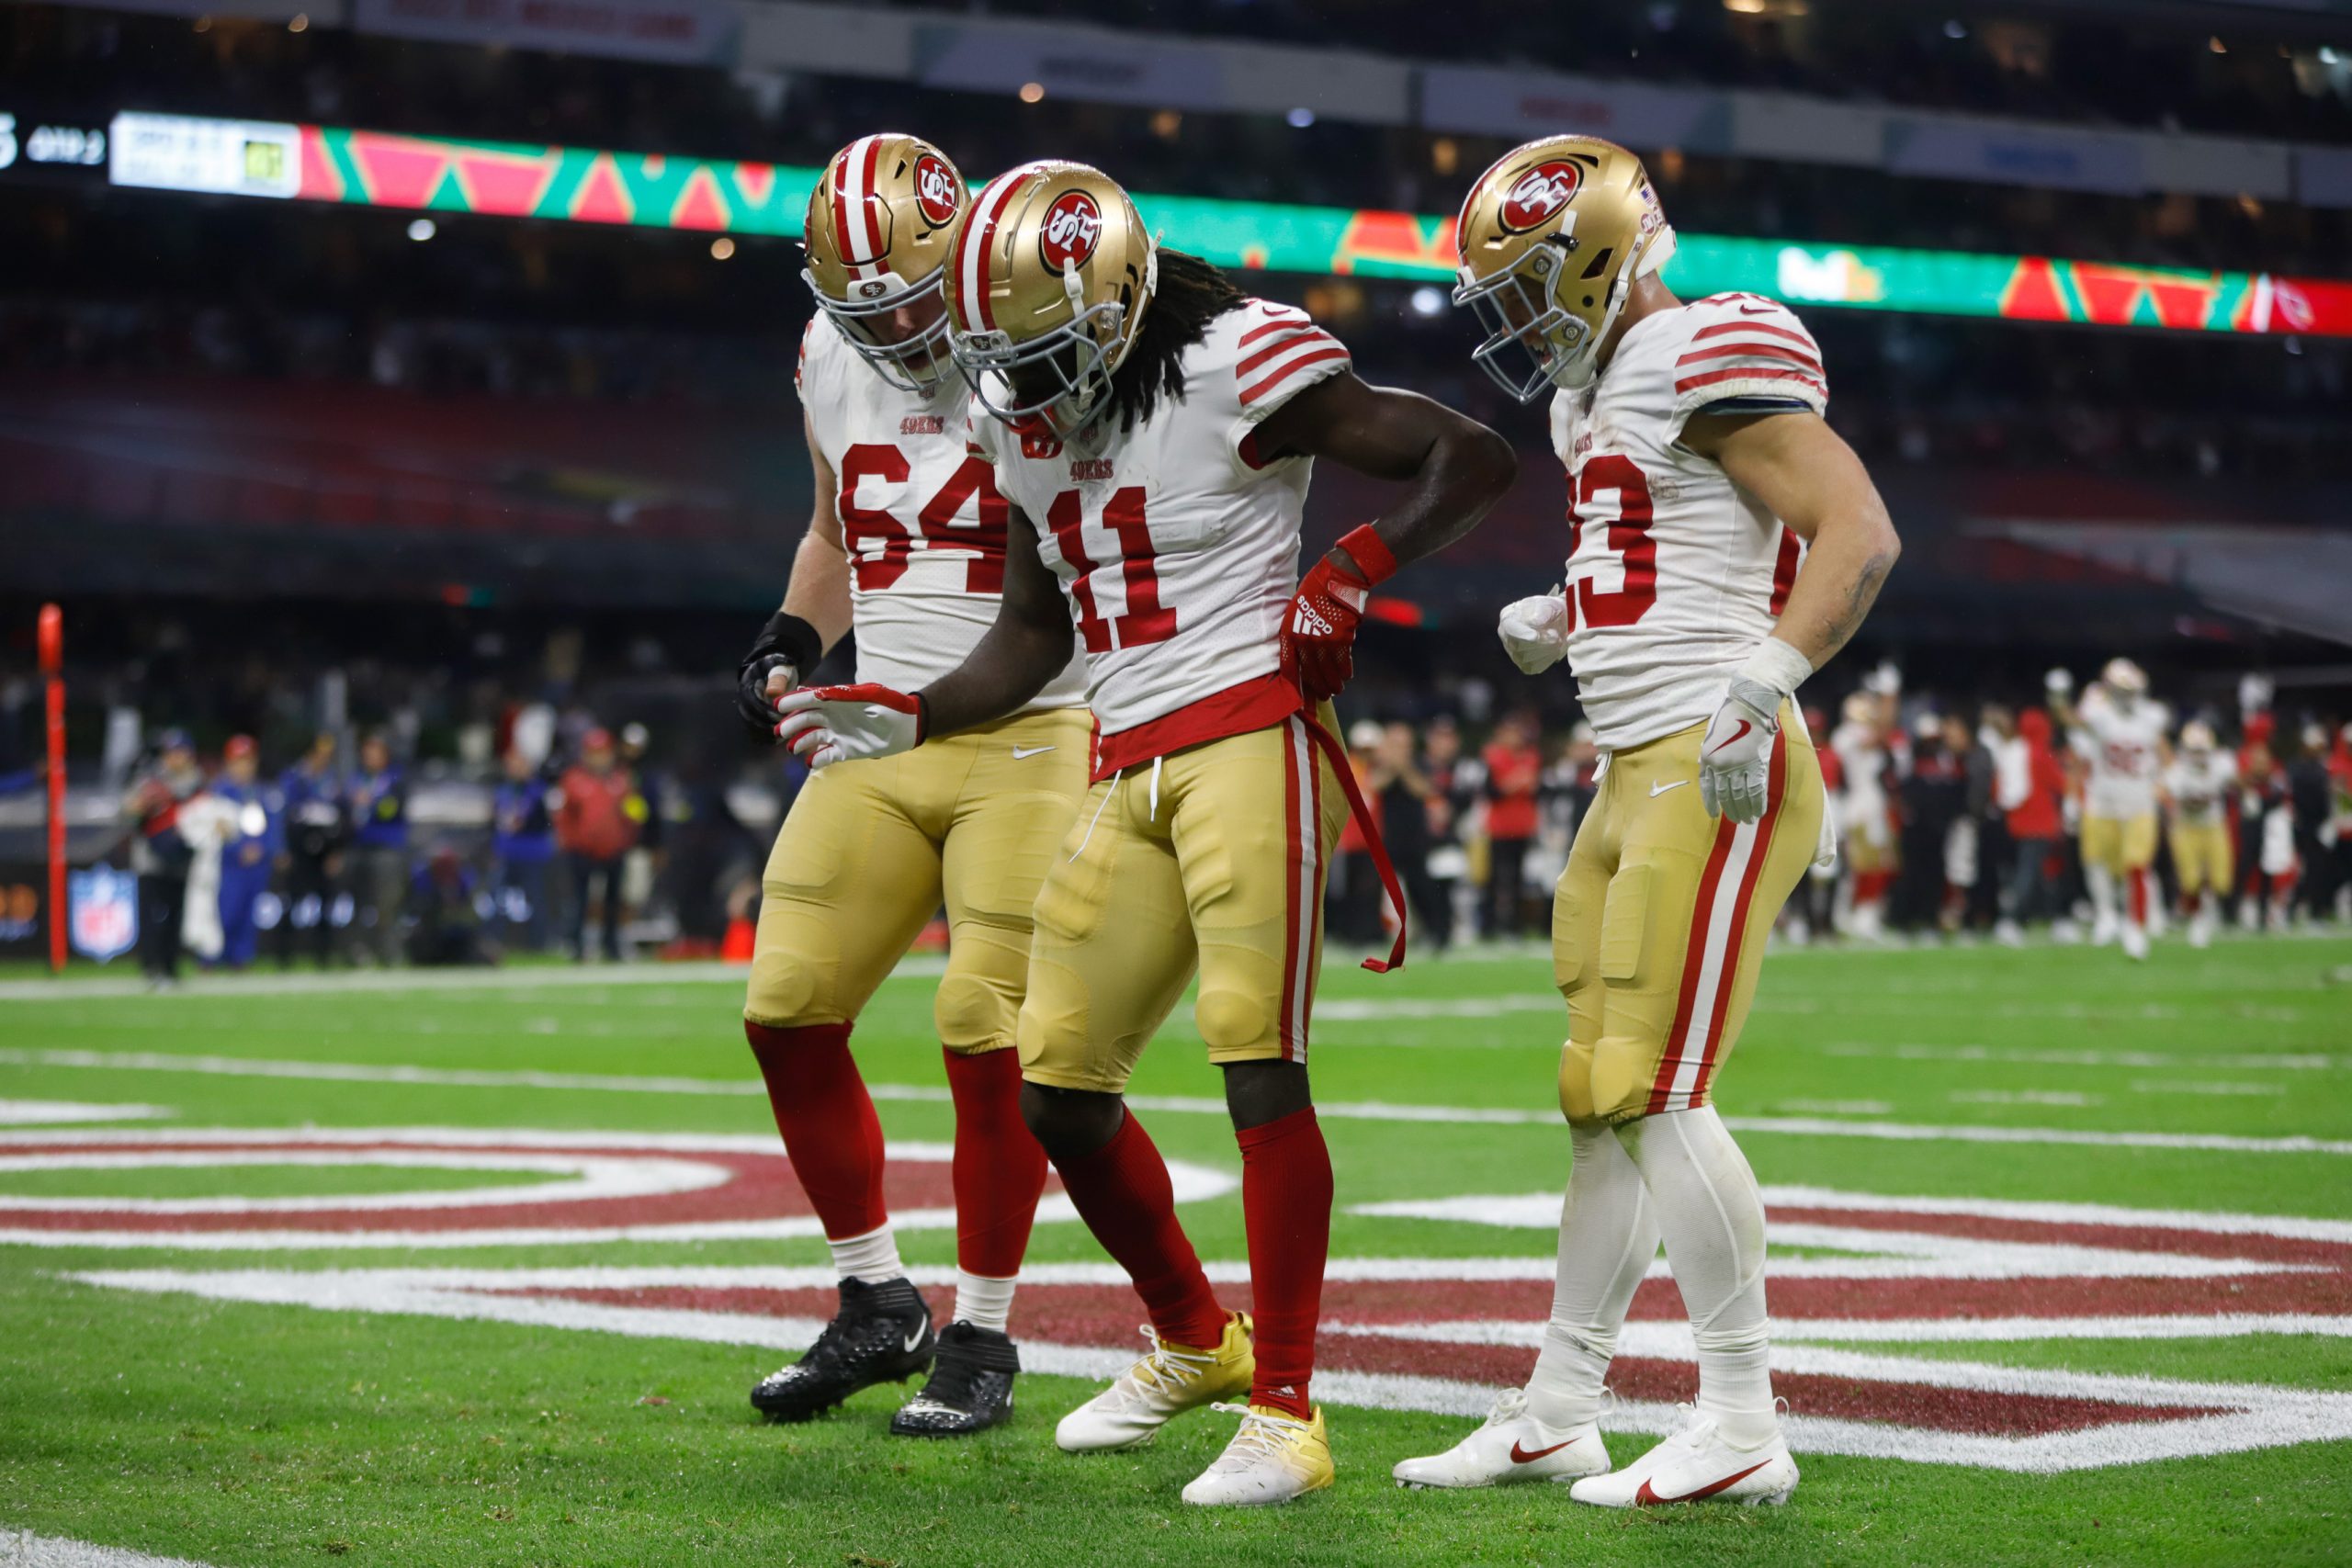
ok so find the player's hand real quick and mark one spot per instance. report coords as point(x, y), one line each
point(1320, 630)
point(787, 648)
point(833, 724)
point(1735, 754)
point(2058, 682)
point(1535, 631)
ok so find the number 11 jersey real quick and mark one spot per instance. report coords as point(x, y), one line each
point(922, 519)
point(1177, 541)
point(1674, 572)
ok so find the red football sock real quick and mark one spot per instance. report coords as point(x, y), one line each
point(828, 1123)
point(1123, 1192)
point(2139, 896)
point(1286, 1206)
point(999, 1171)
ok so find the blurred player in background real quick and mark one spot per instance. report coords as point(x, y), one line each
point(251, 852)
point(2196, 789)
point(907, 542)
point(2119, 730)
point(1865, 813)
point(1155, 430)
point(1724, 543)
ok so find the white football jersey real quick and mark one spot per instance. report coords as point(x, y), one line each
point(1176, 545)
point(922, 519)
point(1674, 573)
point(2198, 785)
point(2124, 751)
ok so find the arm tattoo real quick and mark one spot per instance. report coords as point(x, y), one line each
point(1858, 599)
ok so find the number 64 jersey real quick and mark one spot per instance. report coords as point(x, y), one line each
point(922, 522)
point(1675, 574)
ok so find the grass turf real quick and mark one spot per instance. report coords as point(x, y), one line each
point(243, 1434)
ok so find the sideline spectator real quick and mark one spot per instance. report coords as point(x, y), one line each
point(521, 849)
point(161, 854)
point(316, 828)
point(1514, 771)
point(251, 852)
point(378, 797)
point(594, 828)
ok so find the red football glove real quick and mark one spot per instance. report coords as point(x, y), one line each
point(1320, 628)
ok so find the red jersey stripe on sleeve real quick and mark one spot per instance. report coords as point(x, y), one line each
point(1287, 373)
point(1284, 345)
point(1771, 352)
point(1764, 328)
point(1285, 321)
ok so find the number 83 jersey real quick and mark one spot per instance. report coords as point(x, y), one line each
point(922, 519)
point(1675, 573)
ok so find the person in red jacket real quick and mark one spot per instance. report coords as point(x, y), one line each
point(1514, 768)
point(595, 827)
point(2030, 785)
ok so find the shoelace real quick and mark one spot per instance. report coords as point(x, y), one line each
point(1510, 1405)
point(1262, 1436)
point(1165, 1369)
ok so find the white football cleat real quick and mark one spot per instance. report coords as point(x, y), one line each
point(2200, 928)
point(1696, 1465)
point(1511, 1447)
point(2135, 941)
point(1168, 1380)
point(1274, 1458)
point(2105, 929)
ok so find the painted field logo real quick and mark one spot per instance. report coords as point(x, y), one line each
point(938, 192)
point(1855, 1280)
point(1539, 194)
point(1067, 238)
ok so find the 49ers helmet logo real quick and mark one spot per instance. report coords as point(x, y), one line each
point(935, 191)
point(1539, 194)
point(1073, 223)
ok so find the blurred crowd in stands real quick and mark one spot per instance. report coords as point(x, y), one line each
point(530, 826)
point(1956, 820)
point(1907, 390)
point(2148, 78)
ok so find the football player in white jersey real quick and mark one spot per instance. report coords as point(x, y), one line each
point(2119, 730)
point(907, 542)
point(1154, 430)
point(2197, 786)
point(1723, 544)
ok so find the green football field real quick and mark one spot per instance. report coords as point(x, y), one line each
point(479, 1269)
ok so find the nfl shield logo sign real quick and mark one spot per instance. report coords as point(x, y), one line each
point(105, 920)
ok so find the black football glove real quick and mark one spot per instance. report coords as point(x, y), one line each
point(786, 643)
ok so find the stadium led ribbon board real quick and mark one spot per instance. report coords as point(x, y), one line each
point(651, 190)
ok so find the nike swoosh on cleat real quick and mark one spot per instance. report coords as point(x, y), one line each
point(1018, 753)
point(1646, 1498)
point(1658, 789)
point(915, 1340)
point(1521, 1456)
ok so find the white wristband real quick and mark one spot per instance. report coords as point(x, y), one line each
point(1777, 665)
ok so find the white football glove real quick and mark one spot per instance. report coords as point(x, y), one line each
point(2058, 682)
point(1735, 754)
point(834, 724)
point(1535, 631)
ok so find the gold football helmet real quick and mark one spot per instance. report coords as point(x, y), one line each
point(878, 228)
point(1051, 275)
point(1552, 238)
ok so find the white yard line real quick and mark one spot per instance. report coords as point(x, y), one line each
point(2298, 1062)
point(1201, 1105)
point(55, 1112)
point(22, 1548)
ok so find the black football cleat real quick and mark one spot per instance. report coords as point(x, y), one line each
point(970, 1388)
point(882, 1333)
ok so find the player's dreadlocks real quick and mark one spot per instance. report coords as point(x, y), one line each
point(1189, 295)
